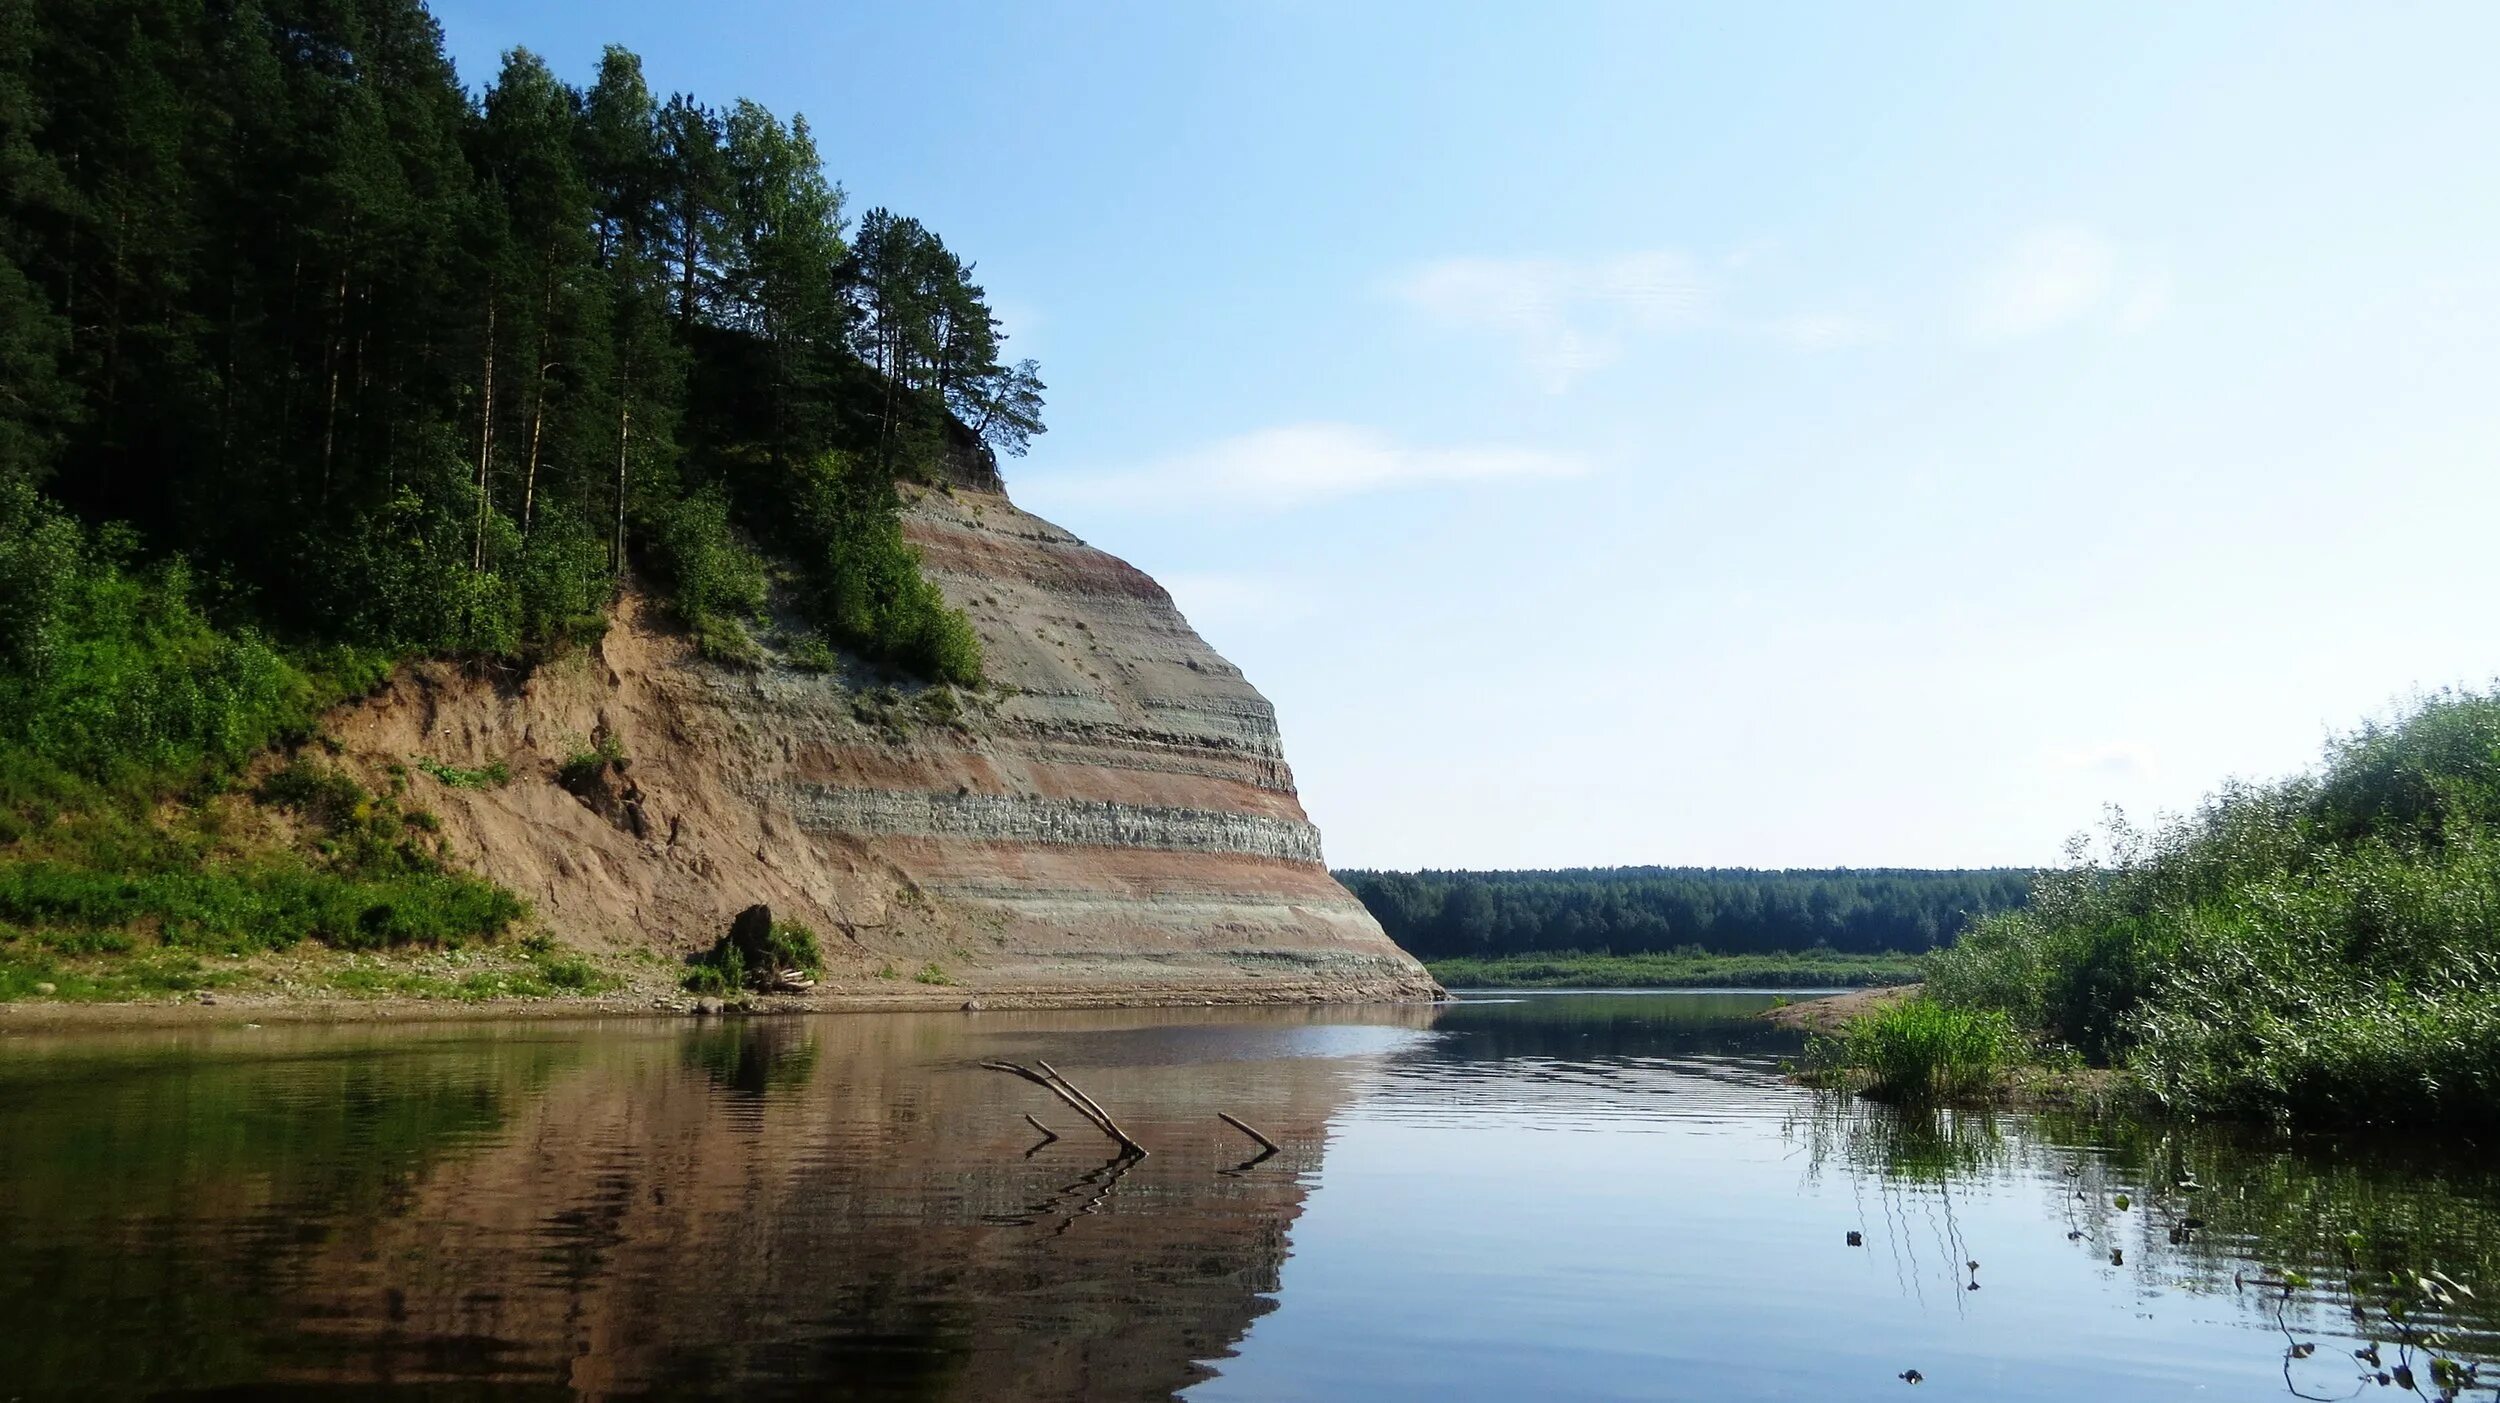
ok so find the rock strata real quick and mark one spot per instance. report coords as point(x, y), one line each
point(1111, 819)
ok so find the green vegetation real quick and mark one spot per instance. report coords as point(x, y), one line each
point(1641, 910)
point(492, 775)
point(2326, 947)
point(1677, 969)
point(587, 764)
point(932, 973)
point(546, 973)
point(733, 964)
point(414, 372)
point(1919, 1049)
point(310, 363)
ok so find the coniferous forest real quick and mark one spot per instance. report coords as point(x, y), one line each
point(314, 359)
point(1721, 910)
point(382, 362)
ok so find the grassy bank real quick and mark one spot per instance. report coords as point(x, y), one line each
point(2325, 948)
point(1820, 969)
point(166, 807)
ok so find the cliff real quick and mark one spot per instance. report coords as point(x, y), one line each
point(1111, 820)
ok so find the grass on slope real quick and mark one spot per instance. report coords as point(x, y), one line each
point(128, 844)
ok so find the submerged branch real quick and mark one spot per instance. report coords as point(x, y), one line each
point(1050, 1080)
point(1244, 1127)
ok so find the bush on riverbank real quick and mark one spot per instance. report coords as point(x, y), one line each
point(2327, 945)
point(1918, 1050)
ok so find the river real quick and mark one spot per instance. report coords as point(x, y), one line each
point(1603, 1196)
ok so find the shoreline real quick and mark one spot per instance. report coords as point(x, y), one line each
point(50, 1016)
point(1830, 1013)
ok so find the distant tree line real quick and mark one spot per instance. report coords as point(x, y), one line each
point(1723, 910)
point(377, 362)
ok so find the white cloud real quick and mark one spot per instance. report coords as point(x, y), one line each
point(1287, 466)
point(2059, 276)
point(1566, 317)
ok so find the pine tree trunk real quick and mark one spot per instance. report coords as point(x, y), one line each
point(538, 407)
point(529, 487)
point(336, 355)
point(624, 434)
point(485, 436)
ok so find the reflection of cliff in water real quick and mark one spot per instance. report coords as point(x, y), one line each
point(839, 1207)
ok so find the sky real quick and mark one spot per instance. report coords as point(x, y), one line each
point(1764, 435)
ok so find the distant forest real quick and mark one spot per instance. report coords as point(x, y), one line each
point(1628, 910)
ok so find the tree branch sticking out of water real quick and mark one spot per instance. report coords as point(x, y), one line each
point(1049, 1079)
point(1244, 1127)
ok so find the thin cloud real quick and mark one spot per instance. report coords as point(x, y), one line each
point(1565, 317)
point(2058, 277)
point(1296, 464)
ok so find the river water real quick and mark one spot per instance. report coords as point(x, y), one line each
point(1514, 1197)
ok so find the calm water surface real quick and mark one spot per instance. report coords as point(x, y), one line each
point(1533, 1196)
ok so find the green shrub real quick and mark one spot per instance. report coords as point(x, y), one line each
point(728, 967)
point(858, 580)
point(938, 706)
point(1918, 1049)
point(494, 774)
point(812, 655)
point(584, 766)
point(2324, 946)
point(794, 946)
point(267, 904)
point(710, 579)
point(117, 676)
point(721, 970)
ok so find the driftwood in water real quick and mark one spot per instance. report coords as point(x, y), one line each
point(1092, 1107)
point(1243, 1126)
point(1050, 1080)
point(1048, 1133)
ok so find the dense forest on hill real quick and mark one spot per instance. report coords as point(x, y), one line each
point(1722, 910)
point(313, 360)
point(386, 364)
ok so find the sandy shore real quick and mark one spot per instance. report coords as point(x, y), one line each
point(1837, 1011)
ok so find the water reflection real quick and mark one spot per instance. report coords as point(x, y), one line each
point(2354, 1254)
point(1584, 1196)
point(836, 1207)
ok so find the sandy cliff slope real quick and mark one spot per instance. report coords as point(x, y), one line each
point(1112, 821)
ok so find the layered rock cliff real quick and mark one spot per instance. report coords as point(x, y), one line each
point(1110, 820)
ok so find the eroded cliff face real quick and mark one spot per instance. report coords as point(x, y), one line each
point(1111, 821)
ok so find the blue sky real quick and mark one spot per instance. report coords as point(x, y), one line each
point(1765, 435)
